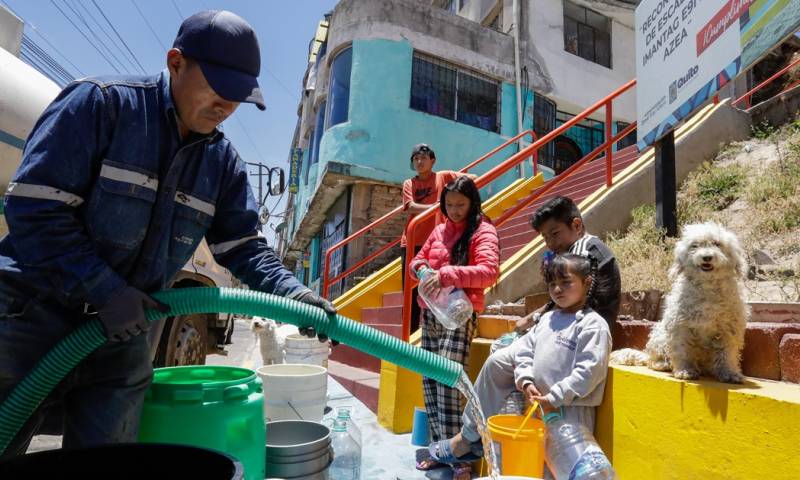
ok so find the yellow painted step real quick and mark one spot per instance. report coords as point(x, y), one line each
point(401, 389)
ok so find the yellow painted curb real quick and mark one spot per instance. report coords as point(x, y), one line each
point(653, 426)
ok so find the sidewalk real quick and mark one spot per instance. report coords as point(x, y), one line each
point(384, 455)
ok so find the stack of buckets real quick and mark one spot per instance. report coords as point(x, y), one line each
point(297, 389)
point(227, 409)
point(307, 351)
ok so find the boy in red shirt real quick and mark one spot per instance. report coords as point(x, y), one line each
point(419, 193)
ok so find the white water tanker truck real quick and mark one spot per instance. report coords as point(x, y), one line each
point(24, 94)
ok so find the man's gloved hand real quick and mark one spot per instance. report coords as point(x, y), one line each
point(123, 316)
point(312, 298)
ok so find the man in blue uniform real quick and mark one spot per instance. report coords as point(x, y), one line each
point(121, 178)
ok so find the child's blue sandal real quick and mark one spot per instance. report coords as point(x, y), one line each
point(442, 453)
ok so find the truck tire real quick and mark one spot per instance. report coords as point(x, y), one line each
point(184, 341)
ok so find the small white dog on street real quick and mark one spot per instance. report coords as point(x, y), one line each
point(703, 326)
point(271, 338)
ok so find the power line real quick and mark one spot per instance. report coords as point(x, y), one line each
point(36, 62)
point(94, 34)
point(36, 50)
point(119, 36)
point(84, 36)
point(43, 62)
point(111, 41)
point(41, 35)
point(285, 88)
point(247, 134)
point(177, 10)
point(148, 25)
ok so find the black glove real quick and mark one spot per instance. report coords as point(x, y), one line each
point(123, 316)
point(311, 298)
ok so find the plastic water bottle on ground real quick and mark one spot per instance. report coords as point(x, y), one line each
point(450, 306)
point(346, 454)
point(572, 453)
point(344, 413)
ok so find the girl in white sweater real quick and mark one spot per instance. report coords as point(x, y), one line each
point(563, 361)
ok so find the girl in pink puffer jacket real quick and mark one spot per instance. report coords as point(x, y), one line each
point(465, 253)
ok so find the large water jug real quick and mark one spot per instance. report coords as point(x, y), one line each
point(346, 453)
point(450, 305)
point(572, 453)
point(207, 406)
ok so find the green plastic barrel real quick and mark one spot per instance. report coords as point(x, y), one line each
point(215, 407)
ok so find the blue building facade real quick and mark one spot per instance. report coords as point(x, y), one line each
point(374, 91)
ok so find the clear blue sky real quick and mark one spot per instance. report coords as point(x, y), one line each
point(284, 29)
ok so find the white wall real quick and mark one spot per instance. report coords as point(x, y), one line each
point(10, 31)
point(578, 83)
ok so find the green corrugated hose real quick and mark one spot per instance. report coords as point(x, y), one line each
point(59, 361)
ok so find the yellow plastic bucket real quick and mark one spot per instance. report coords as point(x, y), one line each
point(523, 455)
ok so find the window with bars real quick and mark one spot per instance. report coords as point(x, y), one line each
point(587, 34)
point(627, 140)
point(588, 134)
point(442, 89)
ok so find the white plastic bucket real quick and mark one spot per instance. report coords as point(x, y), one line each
point(294, 392)
point(309, 351)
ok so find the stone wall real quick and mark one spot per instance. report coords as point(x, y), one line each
point(368, 203)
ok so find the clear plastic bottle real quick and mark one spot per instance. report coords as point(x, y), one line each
point(346, 454)
point(450, 306)
point(572, 453)
point(344, 413)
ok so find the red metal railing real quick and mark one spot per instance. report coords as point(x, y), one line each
point(327, 282)
point(747, 97)
point(494, 173)
point(511, 212)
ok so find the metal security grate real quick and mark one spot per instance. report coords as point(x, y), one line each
point(587, 34)
point(337, 259)
point(441, 89)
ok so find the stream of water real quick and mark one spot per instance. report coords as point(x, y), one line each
point(475, 411)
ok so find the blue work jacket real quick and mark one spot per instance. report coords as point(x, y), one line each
point(109, 195)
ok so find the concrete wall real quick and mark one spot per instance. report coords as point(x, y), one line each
point(568, 73)
point(428, 29)
point(777, 110)
point(653, 426)
point(368, 203)
point(11, 28)
point(722, 124)
point(381, 130)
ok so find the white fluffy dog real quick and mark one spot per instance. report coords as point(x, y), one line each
point(271, 338)
point(703, 326)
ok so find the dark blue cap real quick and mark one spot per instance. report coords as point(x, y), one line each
point(226, 48)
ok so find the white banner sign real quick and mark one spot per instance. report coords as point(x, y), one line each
point(686, 50)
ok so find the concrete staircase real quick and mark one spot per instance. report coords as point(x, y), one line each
point(517, 232)
point(359, 372)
